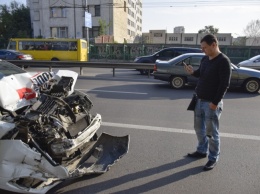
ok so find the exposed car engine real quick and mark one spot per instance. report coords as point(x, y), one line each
point(54, 136)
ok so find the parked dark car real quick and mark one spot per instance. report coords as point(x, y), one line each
point(165, 55)
point(173, 72)
point(7, 54)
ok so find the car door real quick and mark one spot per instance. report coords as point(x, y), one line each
point(9, 55)
point(2, 55)
point(178, 67)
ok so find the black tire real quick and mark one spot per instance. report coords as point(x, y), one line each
point(177, 82)
point(251, 86)
point(142, 71)
point(54, 59)
point(145, 71)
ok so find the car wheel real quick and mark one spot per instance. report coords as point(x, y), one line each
point(54, 59)
point(252, 86)
point(145, 71)
point(177, 82)
point(142, 71)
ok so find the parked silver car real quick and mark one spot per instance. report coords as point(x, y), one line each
point(173, 72)
point(252, 62)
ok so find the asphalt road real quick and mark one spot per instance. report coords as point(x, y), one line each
point(161, 134)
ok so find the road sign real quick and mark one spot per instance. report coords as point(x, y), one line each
point(88, 20)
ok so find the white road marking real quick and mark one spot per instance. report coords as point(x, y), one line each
point(109, 91)
point(175, 130)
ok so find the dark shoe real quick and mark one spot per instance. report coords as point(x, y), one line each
point(197, 155)
point(210, 165)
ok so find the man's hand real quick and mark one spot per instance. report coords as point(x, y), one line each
point(212, 106)
point(188, 68)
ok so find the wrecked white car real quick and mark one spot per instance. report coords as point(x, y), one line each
point(47, 132)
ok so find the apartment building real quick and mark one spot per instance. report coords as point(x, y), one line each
point(66, 18)
point(123, 19)
point(162, 37)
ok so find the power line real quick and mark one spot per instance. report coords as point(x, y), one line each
point(193, 3)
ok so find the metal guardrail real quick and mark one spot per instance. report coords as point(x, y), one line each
point(82, 64)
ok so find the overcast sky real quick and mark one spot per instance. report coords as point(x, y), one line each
point(229, 16)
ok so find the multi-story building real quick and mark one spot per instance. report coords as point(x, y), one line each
point(121, 19)
point(162, 37)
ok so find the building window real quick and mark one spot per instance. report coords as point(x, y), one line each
point(221, 39)
point(93, 32)
point(97, 10)
point(188, 39)
point(129, 22)
point(58, 12)
point(36, 16)
point(59, 32)
point(170, 38)
point(129, 32)
point(124, 6)
point(157, 35)
point(175, 38)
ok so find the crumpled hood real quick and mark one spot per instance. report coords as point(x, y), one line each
point(20, 90)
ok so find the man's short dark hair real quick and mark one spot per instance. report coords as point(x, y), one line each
point(209, 39)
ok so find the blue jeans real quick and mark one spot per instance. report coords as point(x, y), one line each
point(206, 125)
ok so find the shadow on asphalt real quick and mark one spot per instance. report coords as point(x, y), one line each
point(108, 184)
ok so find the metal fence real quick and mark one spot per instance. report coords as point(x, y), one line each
point(81, 65)
point(128, 52)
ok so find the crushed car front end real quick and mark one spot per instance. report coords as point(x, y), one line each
point(53, 138)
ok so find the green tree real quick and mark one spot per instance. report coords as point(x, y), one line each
point(209, 30)
point(103, 27)
point(15, 22)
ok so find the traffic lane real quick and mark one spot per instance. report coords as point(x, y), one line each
point(156, 104)
point(157, 163)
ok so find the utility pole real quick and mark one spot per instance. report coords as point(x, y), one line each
point(74, 19)
point(88, 45)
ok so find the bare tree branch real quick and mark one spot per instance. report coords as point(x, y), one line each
point(252, 30)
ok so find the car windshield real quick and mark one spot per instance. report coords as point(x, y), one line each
point(184, 56)
point(255, 58)
point(7, 69)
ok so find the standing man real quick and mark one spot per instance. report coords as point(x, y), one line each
point(214, 78)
